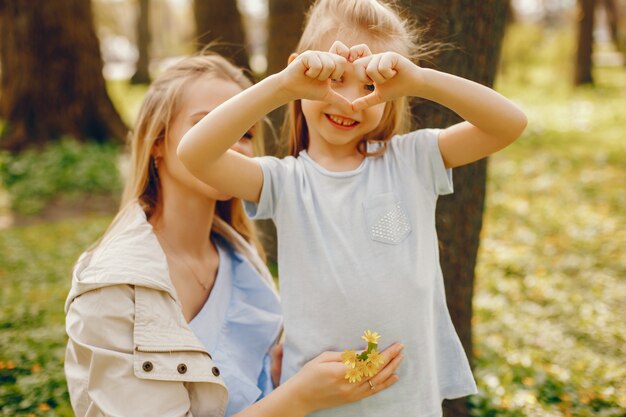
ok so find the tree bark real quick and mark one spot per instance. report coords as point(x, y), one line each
point(286, 19)
point(475, 30)
point(52, 83)
point(142, 72)
point(582, 70)
point(219, 21)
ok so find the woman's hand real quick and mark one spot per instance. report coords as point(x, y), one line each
point(276, 361)
point(321, 383)
point(309, 74)
point(390, 73)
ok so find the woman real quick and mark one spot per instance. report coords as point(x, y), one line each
point(173, 312)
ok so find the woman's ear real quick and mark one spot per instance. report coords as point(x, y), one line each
point(291, 58)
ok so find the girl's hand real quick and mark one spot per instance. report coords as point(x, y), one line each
point(309, 74)
point(350, 54)
point(390, 73)
point(321, 383)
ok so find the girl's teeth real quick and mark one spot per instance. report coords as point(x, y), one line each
point(342, 121)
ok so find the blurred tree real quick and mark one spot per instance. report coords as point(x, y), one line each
point(615, 11)
point(219, 21)
point(286, 18)
point(586, 17)
point(475, 31)
point(612, 17)
point(52, 83)
point(142, 72)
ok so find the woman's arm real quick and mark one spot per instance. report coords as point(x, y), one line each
point(204, 149)
point(321, 384)
point(101, 378)
point(491, 120)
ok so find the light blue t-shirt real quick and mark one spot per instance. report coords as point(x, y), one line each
point(358, 250)
point(238, 324)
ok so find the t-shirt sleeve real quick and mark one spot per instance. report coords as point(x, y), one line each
point(421, 150)
point(273, 179)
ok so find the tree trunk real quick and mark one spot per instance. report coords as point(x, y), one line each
point(52, 83)
point(582, 71)
point(219, 21)
point(612, 20)
point(475, 30)
point(286, 19)
point(142, 72)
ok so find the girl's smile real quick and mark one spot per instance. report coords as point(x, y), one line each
point(342, 122)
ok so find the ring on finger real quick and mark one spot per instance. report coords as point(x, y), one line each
point(372, 386)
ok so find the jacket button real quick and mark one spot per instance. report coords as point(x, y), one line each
point(215, 371)
point(182, 368)
point(147, 366)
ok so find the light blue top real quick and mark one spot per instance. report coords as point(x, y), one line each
point(238, 324)
point(358, 250)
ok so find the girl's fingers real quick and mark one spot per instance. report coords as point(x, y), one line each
point(341, 49)
point(343, 105)
point(358, 51)
point(328, 67)
point(360, 69)
point(369, 100)
point(312, 63)
point(387, 65)
point(340, 66)
point(372, 70)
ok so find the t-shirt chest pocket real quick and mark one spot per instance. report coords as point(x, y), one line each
point(386, 219)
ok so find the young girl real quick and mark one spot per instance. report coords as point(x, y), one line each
point(354, 204)
point(173, 312)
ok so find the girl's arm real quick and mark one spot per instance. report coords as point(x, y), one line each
point(491, 120)
point(321, 384)
point(204, 149)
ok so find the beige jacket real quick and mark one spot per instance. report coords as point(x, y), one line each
point(130, 351)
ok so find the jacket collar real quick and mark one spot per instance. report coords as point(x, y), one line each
point(128, 254)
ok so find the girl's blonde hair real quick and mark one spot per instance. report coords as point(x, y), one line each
point(161, 104)
point(378, 20)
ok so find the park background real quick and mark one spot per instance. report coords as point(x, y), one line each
point(541, 307)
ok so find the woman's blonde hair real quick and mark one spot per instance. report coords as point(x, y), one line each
point(379, 20)
point(161, 104)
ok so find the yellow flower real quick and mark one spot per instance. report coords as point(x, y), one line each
point(375, 358)
point(370, 337)
point(370, 369)
point(348, 357)
point(353, 375)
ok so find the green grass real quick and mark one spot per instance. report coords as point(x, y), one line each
point(550, 294)
point(35, 275)
point(550, 301)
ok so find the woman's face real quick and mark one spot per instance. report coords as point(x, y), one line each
point(197, 100)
